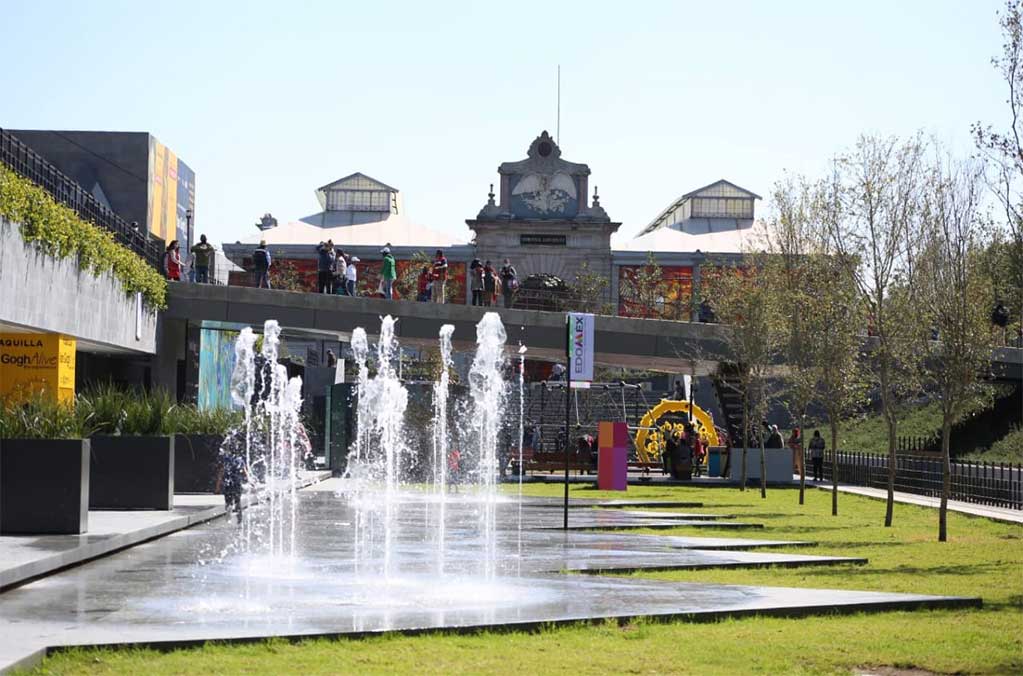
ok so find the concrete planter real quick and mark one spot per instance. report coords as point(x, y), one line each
point(777, 462)
point(132, 473)
point(44, 486)
point(195, 462)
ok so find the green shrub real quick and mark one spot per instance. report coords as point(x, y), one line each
point(40, 417)
point(190, 419)
point(61, 233)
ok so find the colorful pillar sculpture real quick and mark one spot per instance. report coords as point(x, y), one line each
point(613, 456)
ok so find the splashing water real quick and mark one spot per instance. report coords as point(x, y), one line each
point(486, 388)
point(269, 442)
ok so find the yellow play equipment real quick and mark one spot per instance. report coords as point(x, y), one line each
point(650, 441)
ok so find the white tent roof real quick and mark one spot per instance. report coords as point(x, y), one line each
point(396, 229)
point(670, 240)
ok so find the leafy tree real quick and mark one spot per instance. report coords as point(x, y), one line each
point(286, 276)
point(956, 290)
point(588, 291)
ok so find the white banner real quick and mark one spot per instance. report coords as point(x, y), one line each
point(580, 346)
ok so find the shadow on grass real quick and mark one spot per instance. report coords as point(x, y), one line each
point(974, 569)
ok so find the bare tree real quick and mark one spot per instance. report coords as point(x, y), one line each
point(874, 229)
point(644, 289)
point(792, 236)
point(956, 289)
point(1004, 153)
point(744, 299)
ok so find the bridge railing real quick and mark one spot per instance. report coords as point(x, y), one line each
point(986, 483)
point(31, 165)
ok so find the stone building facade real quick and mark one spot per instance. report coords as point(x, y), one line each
point(544, 221)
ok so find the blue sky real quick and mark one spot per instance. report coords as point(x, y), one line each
point(268, 100)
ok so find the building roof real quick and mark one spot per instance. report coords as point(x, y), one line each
point(671, 240)
point(353, 181)
point(720, 183)
point(396, 229)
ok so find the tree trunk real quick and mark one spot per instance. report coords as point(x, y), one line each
point(834, 466)
point(745, 439)
point(763, 468)
point(946, 479)
point(802, 458)
point(889, 509)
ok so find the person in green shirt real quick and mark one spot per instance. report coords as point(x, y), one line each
point(387, 273)
point(202, 253)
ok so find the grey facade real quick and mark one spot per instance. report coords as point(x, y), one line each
point(544, 221)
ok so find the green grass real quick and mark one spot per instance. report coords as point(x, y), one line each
point(1007, 449)
point(983, 558)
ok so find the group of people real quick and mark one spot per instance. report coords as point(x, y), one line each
point(335, 270)
point(431, 286)
point(484, 282)
point(684, 451)
point(198, 264)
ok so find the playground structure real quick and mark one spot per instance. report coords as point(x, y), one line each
point(649, 416)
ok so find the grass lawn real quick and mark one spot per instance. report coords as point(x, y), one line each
point(983, 558)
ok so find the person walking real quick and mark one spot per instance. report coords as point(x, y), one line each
point(261, 263)
point(172, 262)
point(326, 261)
point(387, 273)
point(476, 281)
point(509, 282)
point(817, 455)
point(231, 479)
point(489, 284)
point(440, 277)
point(202, 253)
point(351, 274)
point(423, 283)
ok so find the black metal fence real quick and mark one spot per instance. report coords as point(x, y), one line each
point(986, 483)
point(29, 164)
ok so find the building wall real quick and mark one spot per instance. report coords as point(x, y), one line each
point(43, 293)
point(117, 161)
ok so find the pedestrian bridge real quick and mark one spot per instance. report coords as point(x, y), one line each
point(654, 344)
point(661, 345)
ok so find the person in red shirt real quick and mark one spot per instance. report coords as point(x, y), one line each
point(440, 276)
point(423, 294)
point(172, 261)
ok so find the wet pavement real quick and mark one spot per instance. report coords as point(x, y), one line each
point(201, 583)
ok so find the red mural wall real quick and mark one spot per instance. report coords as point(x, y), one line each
point(670, 298)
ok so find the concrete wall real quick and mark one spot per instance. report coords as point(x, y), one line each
point(42, 293)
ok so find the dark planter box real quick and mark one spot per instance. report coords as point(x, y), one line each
point(195, 462)
point(44, 486)
point(132, 473)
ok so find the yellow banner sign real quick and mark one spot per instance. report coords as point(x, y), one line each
point(37, 362)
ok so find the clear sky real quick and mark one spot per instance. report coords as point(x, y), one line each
point(266, 101)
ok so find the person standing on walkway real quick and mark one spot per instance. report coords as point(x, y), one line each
point(440, 277)
point(387, 273)
point(351, 274)
point(795, 442)
point(476, 281)
point(509, 282)
point(202, 253)
point(325, 263)
point(817, 455)
point(172, 262)
point(1000, 320)
point(261, 262)
point(489, 284)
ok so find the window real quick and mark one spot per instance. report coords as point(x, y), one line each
point(358, 200)
point(722, 207)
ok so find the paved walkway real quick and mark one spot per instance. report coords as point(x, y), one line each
point(23, 557)
point(972, 508)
